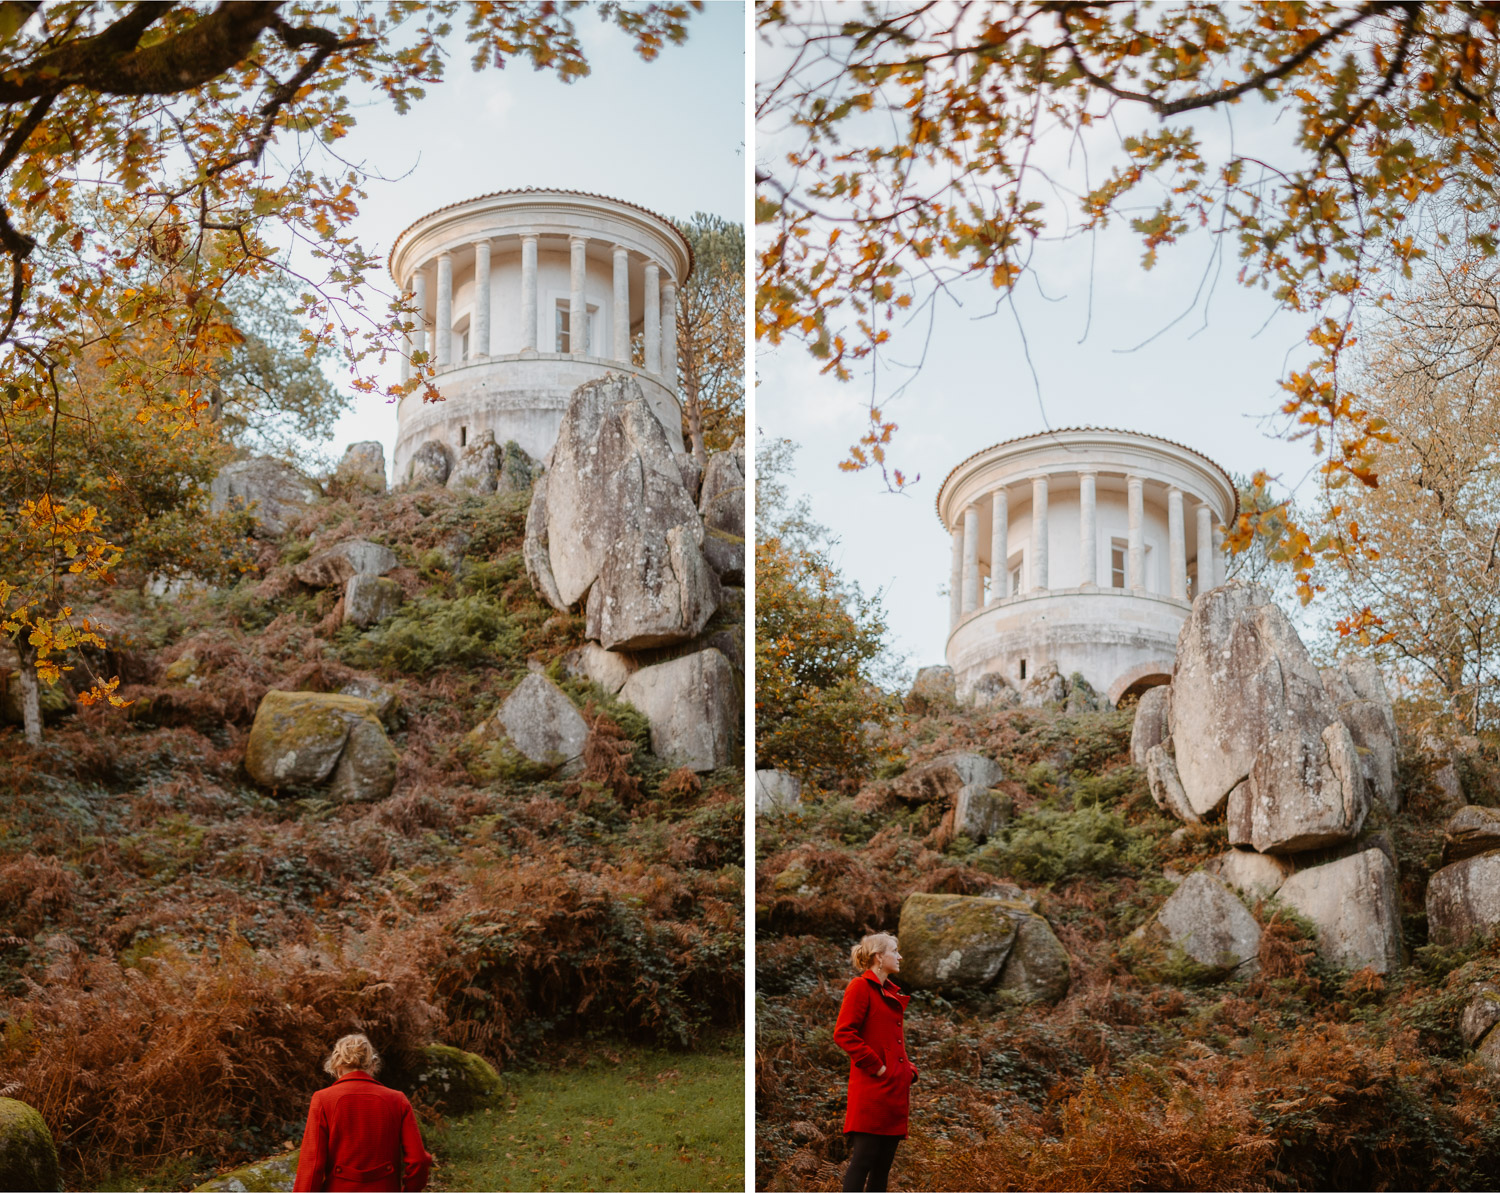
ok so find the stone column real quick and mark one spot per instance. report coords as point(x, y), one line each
point(1177, 543)
point(1039, 532)
point(620, 316)
point(1088, 544)
point(442, 323)
point(956, 578)
point(528, 293)
point(999, 546)
point(578, 312)
point(419, 297)
point(653, 319)
point(669, 334)
point(971, 559)
point(479, 331)
point(1207, 559)
point(1137, 567)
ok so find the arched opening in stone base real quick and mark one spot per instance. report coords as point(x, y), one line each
point(1128, 688)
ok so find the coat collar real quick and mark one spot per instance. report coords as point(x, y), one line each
point(354, 1075)
point(889, 990)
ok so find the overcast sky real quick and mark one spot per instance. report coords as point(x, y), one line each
point(668, 135)
point(1210, 381)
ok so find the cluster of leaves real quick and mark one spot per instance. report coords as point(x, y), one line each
point(912, 150)
point(139, 192)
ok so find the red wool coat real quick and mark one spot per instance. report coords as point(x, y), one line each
point(361, 1137)
point(870, 1029)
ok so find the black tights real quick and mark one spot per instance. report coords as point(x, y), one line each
point(870, 1159)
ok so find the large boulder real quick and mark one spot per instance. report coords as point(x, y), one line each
point(975, 943)
point(518, 471)
point(612, 473)
point(693, 706)
point(979, 813)
point(1166, 784)
point(369, 600)
point(28, 1156)
point(276, 1174)
point(1242, 677)
point(653, 590)
point(776, 792)
point(1046, 688)
point(429, 466)
point(478, 467)
point(275, 493)
point(722, 498)
point(1480, 1014)
point(1470, 831)
point(539, 723)
point(933, 688)
point(726, 555)
point(534, 549)
point(455, 1081)
point(1151, 726)
point(1354, 903)
point(943, 777)
point(1362, 703)
point(366, 770)
point(955, 942)
point(1254, 875)
point(1038, 968)
point(1463, 900)
point(333, 565)
point(991, 690)
point(1208, 922)
point(363, 467)
point(1306, 791)
point(607, 668)
point(306, 739)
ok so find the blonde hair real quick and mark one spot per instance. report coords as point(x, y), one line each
point(864, 953)
point(352, 1052)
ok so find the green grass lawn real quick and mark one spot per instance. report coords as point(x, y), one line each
point(631, 1118)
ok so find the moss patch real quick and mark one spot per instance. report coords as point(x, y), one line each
point(28, 1157)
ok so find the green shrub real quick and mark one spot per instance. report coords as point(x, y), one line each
point(435, 631)
point(1093, 791)
point(489, 577)
point(1049, 844)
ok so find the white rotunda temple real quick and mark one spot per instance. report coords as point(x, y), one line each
point(1074, 548)
point(526, 295)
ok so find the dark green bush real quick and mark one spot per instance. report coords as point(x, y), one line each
point(435, 631)
point(1049, 844)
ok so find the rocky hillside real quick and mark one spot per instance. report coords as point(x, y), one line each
point(1127, 978)
point(371, 786)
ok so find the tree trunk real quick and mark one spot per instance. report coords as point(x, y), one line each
point(31, 696)
point(694, 412)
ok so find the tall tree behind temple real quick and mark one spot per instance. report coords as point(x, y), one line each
point(1427, 602)
point(711, 335)
point(271, 396)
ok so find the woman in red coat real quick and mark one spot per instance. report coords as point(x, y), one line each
point(361, 1137)
point(870, 1029)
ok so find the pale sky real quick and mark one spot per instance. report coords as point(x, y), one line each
point(1211, 384)
point(668, 135)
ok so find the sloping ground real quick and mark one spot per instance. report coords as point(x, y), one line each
point(1153, 1072)
point(180, 948)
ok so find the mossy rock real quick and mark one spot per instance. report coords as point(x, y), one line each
point(28, 1157)
point(956, 942)
point(454, 1080)
point(299, 737)
point(274, 1175)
